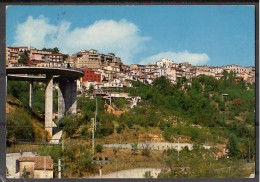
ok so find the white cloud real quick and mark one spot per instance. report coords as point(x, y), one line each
point(120, 37)
point(178, 57)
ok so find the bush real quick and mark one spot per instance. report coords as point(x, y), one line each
point(146, 151)
point(99, 148)
point(147, 174)
point(85, 163)
point(221, 106)
point(134, 148)
point(54, 151)
point(115, 150)
point(69, 155)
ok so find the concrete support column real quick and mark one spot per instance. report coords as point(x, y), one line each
point(73, 108)
point(61, 99)
point(49, 103)
point(31, 95)
point(71, 97)
point(6, 86)
point(67, 95)
point(67, 98)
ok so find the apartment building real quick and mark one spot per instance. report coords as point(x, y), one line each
point(165, 63)
point(91, 75)
point(13, 54)
point(235, 68)
point(93, 60)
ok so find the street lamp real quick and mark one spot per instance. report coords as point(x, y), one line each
point(100, 162)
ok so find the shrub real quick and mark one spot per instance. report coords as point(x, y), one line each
point(99, 148)
point(147, 174)
point(134, 148)
point(115, 150)
point(146, 151)
point(221, 106)
point(69, 154)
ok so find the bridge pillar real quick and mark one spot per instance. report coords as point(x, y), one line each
point(49, 103)
point(61, 99)
point(31, 95)
point(73, 101)
point(67, 98)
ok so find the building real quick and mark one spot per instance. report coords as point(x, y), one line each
point(165, 63)
point(12, 163)
point(91, 75)
point(92, 59)
point(235, 68)
point(36, 166)
point(13, 54)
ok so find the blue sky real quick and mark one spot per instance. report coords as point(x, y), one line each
point(211, 35)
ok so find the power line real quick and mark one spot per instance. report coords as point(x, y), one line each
point(64, 127)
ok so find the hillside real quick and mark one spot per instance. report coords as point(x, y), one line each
point(193, 112)
point(22, 123)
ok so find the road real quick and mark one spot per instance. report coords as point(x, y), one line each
point(154, 146)
point(131, 173)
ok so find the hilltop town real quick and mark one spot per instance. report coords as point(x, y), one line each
point(104, 71)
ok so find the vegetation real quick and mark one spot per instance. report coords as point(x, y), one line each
point(20, 90)
point(201, 163)
point(24, 58)
point(193, 110)
point(24, 174)
point(99, 148)
point(147, 174)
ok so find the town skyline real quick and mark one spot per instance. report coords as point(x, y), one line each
point(154, 62)
point(201, 35)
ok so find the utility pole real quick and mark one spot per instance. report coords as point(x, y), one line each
point(62, 141)
point(100, 162)
point(100, 170)
point(59, 168)
point(45, 166)
point(116, 169)
point(96, 113)
point(93, 136)
point(178, 147)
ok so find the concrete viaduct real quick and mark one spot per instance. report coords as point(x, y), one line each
point(67, 92)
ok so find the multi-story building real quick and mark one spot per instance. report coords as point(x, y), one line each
point(165, 63)
point(92, 59)
point(235, 68)
point(13, 54)
point(91, 75)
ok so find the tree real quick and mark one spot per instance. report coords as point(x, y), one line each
point(24, 174)
point(162, 85)
point(65, 56)
point(91, 88)
point(24, 58)
point(225, 73)
point(99, 148)
point(232, 145)
point(55, 50)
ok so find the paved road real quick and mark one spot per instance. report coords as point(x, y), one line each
point(154, 146)
point(131, 173)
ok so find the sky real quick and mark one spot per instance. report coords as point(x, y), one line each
point(214, 35)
